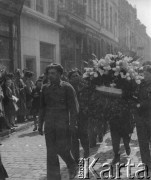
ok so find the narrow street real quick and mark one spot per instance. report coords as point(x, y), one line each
point(24, 156)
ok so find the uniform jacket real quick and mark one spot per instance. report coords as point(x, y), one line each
point(58, 103)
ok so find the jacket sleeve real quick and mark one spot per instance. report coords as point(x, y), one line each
point(73, 105)
point(42, 109)
point(146, 103)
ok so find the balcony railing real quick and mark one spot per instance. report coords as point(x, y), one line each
point(73, 7)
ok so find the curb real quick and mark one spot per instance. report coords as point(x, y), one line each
point(20, 127)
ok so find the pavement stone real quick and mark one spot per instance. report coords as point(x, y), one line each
point(24, 156)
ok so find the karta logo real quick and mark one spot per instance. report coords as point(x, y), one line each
point(85, 168)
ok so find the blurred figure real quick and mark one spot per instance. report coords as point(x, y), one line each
point(21, 95)
point(36, 102)
point(3, 173)
point(29, 87)
point(143, 121)
point(10, 101)
point(82, 92)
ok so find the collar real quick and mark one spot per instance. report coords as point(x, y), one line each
point(60, 83)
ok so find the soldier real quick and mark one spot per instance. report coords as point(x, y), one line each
point(82, 91)
point(59, 110)
point(143, 122)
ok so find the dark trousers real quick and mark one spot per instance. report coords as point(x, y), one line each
point(116, 136)
point(57, 143)
point(82, 135)
point(143, 133)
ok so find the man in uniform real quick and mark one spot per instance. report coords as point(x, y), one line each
point(59, 110)
point(143, 122)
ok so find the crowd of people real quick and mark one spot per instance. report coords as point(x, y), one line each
point(73, 112)
point(19, 98)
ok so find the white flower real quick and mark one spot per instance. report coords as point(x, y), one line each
point(101, 71)
point(127, 74)
point(128, 78)
point(114, 69)
point(116, 73)
point(113, 85)
point(85, 75)
point(138, 81)
point(101, 63)
point(95, 74)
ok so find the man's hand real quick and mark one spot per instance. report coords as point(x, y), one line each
point(40, 131)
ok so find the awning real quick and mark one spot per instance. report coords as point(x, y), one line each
point(11, 7)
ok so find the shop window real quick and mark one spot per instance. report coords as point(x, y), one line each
point(102, 12)
point(4, 48)
point(51, 8)
point(27, 3)
point(47, 55)
point(40, 6)
point(30, 64)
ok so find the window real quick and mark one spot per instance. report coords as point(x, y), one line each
point(94, 10)
point(51, 8)
point(47, 55)
point(107, 15)
point(102, 12)
point(39, 6)
point(116, 24)
point(4, 48)
point(111, 24)
point(27, 3)
point(89, 8)
point(98, 11)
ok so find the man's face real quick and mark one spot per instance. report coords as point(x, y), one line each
point(75, 77)
point(39, 84)
point(147, 75)
point(53, 75)
point(8, 82)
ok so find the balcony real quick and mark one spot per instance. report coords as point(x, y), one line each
point(72, 7)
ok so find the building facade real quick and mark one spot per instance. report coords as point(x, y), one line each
point(71, 15)
point(102, 27)
point(10, 33)
point(39, 35)
point(127, 28)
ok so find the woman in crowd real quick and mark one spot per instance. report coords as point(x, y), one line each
point(29, 87)
point(10, 100)
point(36, 102)
point(21, 95)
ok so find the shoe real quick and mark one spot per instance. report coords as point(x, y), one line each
point(15, 125)
point(128, 151)
point(116, 159)
point(73, 172)
point(35, 129)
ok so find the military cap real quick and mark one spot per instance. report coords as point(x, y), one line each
point(58, 67)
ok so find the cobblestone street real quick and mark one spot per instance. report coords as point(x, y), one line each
point(24, 156)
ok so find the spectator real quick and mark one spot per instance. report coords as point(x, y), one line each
point(29, 87)
point(36, 102)
point(10, 101)
point(21, 95)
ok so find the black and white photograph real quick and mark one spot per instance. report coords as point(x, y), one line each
point(75, 89)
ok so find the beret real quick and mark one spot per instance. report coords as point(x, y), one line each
point(58, 67)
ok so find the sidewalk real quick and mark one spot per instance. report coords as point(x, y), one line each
point(20, 126)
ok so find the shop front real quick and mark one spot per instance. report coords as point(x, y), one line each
point(10, 11)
